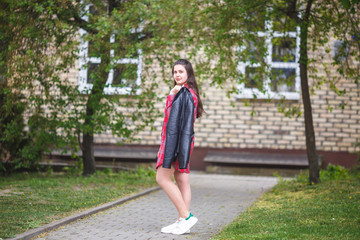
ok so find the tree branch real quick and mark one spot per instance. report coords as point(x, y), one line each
point(72, 17)
point(307, 11)
point(291, 11)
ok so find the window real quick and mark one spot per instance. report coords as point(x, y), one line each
point(127, 70)
point(281, 50)
point(341, 51)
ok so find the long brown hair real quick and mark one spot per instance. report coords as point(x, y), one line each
point(192, 83)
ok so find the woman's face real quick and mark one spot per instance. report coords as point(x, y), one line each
point(180, 74)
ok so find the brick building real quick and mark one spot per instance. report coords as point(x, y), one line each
point(229, 135)
point(234, 133)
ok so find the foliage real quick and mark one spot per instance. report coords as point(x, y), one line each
point(340, 21)
point(40, 52)
point(30, 69)
point(218, 35)
point(11, 127)
point(215, 35)
point(334, 173)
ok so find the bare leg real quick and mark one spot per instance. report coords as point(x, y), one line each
point(182, 180)
point(163, 178)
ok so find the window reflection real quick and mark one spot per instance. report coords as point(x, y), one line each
point(254, 77)
point(283, 79)
point(283, 49)
point(124, 74)
point(92, 71)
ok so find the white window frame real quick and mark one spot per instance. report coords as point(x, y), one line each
point(249, 93)
point(85, 87)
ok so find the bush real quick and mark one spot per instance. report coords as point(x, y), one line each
point(11, 127)
point(20, 149)
point(334, 173)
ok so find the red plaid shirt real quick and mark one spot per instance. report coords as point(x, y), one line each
point(160, 156)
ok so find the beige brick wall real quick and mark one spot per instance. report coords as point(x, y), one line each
point(225, 126)
point(234, 127)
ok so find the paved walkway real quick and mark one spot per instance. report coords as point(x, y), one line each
point(216, 201)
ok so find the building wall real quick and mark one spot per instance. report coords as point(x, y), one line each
point(227, 126)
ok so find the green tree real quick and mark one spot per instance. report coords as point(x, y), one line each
point(224, 33)
point(43, 46)
point(216, 35)
point(19, 41)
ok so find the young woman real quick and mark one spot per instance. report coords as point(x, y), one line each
point(183, 106)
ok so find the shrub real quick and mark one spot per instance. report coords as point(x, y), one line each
point(334, 172)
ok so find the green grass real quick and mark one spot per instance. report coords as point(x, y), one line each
point(29, 200)
point(296, 210)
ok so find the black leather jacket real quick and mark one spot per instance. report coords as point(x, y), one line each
point(180, 129)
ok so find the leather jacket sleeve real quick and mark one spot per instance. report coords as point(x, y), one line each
point(179, 130)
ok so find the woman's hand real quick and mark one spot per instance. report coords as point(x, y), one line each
point(175, 90)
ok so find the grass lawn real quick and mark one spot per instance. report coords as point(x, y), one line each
point(296, 210)
point(29, 200)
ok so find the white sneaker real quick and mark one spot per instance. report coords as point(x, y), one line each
point(169, 229)
point(184, 225)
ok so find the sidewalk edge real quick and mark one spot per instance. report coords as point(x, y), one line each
point(51, 226)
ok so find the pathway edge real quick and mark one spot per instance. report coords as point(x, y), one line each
point(61, 222)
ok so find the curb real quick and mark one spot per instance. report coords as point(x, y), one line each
point(51, 226)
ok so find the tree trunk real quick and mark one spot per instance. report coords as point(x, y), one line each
point(309, 127)
point(88, 154)
point(88, 140)
point(94, 101)
point(92, 106)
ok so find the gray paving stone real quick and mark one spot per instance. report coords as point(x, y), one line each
point(216, 201)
